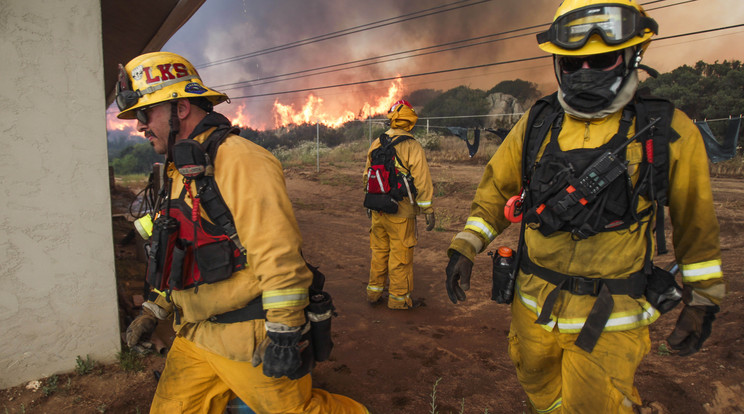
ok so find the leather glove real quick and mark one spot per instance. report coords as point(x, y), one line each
point(369, 213)
point(280, 352)
point(693, 328)
point(458, 270)
point(142, 325)
point(430, 220)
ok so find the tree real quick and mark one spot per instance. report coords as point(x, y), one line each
point(137, 159)
point(525, 92)
point(459, 101)
point(705, 91)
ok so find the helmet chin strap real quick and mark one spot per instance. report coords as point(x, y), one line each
point(175, 126)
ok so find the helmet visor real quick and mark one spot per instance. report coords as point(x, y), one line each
point(615, 24)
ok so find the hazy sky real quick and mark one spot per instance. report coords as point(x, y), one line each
point(231, 29)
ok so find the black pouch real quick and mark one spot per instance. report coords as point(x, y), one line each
point(215, 261)
point(162, 242)
point(381, 202)
point(175, 279)
point(502, 280)
point(662, 291)
point(319, 313)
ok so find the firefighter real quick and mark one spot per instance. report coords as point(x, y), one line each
point(237, 302)
point(392, 236)
point(586, 288)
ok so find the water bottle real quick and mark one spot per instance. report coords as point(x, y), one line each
point(502, 290)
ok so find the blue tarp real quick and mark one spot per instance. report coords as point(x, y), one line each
point(721, 151)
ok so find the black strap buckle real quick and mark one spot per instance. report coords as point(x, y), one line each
point(584, 286)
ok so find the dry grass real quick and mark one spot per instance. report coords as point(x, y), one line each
point(730, 168)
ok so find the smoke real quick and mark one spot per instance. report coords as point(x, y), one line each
point(224, 31)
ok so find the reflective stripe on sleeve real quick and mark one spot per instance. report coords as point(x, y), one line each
point(423, 203)
point(556, 405)
point(284, 298)
point(695, 272)
point(480, 226)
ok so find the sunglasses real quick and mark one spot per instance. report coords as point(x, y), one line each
point(142, 113)
point(601, 61)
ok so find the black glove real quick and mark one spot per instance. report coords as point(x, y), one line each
point(369, 213)
point(458, 270)
point(693, 328)
point(430, 220)
point(281, 350)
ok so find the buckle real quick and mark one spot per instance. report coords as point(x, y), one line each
point(584, 286)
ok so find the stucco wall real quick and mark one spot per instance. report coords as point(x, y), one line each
point(58, 291)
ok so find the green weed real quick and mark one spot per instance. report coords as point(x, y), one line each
point(130, 360)
point(83, 367)
point(663, 350)
point(51, 386)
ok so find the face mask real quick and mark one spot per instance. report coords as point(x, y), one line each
point(591, 90)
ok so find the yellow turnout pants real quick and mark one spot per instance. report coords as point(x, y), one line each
point(198, 381)
point(560, 377)
point(392, 240)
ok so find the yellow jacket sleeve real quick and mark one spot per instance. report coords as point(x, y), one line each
point(501, 180)
point(695, 226)
point(252, 184)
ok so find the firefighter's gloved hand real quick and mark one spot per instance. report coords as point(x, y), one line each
point(458, 277)
point(280, 352)
point(430, 220)
point(142, 325)
point(693, 328)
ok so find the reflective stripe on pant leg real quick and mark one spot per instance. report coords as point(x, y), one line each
point(378, 269)
point(402, 232)
point(602, 381)
point(189, 384)
point(536, 355)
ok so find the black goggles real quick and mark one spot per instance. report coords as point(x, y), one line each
point(125, 96)
point(600, 61)
point(615, 24)
point(141, 113)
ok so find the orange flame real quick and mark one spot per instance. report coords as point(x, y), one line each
point(241, 120)
point(312, 111)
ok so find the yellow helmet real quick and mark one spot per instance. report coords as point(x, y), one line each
point(590, 27)
point(159, 77)
point(402, 116)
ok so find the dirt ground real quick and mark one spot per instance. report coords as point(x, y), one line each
point(450, 356)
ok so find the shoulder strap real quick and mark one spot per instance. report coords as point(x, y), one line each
point(211, 199)
point(655, 164)
point(395, 141)
point(540, 120)
point(215, 139)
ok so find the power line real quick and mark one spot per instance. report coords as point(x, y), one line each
point(377, 59)
point(394, 77)
point(373, 63)
point(456, 69)
point(345, 32)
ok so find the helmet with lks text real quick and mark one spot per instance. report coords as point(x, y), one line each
point(158, 77)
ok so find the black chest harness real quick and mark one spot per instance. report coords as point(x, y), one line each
point(588, 191)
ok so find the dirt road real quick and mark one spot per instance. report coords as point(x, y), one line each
point(392, 360)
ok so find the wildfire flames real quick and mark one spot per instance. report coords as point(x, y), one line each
point(312, 111)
